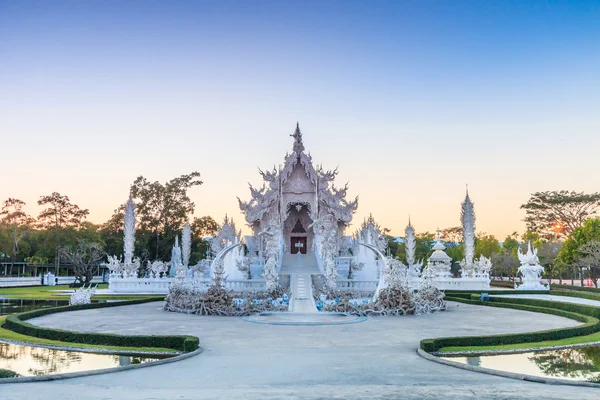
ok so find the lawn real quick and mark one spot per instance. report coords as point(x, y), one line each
point(595, 337)
point(48, 293)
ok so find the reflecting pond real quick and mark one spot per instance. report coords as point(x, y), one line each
point(582, 364)
point(36, 361)
point(12, 306)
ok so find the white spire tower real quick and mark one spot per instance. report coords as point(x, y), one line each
point(129, 231)
point(467, 218)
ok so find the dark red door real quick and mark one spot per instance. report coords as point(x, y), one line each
point(298, 244)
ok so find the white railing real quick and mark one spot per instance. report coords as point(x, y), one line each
point(239, 285)
point(360, 286)
point(463, 283)
point(139, 285)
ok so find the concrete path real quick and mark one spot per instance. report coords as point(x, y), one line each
point(375, 359)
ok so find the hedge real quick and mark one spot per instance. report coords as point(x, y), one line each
point(494, 291)
point(14, 322)
point(574, 293)
point(587, 314)
point(577, 288)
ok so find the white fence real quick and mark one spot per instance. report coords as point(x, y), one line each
point(359, 286)
point(480, 283)
point(139, 285)
point(37, 281)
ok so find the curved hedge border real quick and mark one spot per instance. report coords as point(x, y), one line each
point(14, 322)
point(588, 314)
point(576, 288)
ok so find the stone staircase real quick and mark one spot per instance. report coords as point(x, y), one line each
point(300, 268)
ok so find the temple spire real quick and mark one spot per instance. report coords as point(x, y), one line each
point(298, 145)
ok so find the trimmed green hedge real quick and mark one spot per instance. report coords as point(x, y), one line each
point(574, 293)
point(577, 288)
point(14, 322)
point(494, 291)
point(587, 314)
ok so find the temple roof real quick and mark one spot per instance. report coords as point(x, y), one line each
point(332, 198)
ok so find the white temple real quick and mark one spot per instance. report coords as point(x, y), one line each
point(298, 220)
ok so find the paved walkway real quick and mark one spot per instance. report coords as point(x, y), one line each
point(375, 359)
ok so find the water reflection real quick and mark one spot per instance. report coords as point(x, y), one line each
point(13, 306)
point(575, 364)
point(36, 361)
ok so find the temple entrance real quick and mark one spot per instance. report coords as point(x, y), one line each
point(298, 245)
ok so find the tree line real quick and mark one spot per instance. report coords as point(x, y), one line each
point(55, 236)
point(562, 225)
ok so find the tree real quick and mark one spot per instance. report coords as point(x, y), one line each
point(511, 244)
point(547, 253)
point(84, 259)
point(505, 263)
point(570, 253)
point(17, 222)
point(452, 235)
point(163, 209)
point(486, 245)
point(590, 258)
point(58, 216)
point(558, 213)
point(203, 227)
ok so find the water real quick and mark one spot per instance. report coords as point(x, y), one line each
point(37, 361)
point(13, 306)
point(582, 364)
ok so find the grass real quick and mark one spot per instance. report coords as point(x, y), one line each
point(47, 293)
point(595, 337)
point(10, 335)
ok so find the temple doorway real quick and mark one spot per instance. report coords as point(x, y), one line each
point(298, 245)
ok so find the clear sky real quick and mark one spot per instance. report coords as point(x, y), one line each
point(411, 99)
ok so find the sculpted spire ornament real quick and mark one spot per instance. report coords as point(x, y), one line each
point(298, 145)
point(467, 218)
point(129, 231)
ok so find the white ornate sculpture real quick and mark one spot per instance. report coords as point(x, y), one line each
point(429, 298)
point(186, 244)
point(467, 218)
point(272, 247)
point(326, 236)
point(131, 270)
point(530, 269)
point(439, 263)
point(178, 270)
point(129, 233)
point(114, 265)
point(414, 267)
point(82, 295)
point(157, 268)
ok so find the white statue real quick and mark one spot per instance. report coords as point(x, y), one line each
point(530, 269)
point(82, 295)
point(114, 265)
point(326, 237)
point(414, 267)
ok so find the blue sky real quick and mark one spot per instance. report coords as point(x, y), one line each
point(411, 99)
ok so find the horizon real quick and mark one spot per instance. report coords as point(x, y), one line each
point(412, 101)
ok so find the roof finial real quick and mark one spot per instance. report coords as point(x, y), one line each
point(298, 145)
point(467, 189)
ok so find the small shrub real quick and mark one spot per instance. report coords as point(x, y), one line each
point(7, 373)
